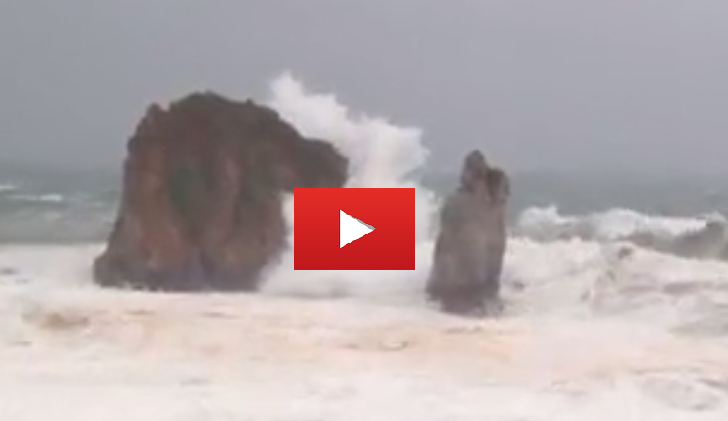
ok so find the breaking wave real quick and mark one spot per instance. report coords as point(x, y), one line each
point(381, 155)
point(700, 236)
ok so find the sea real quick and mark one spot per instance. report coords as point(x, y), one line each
point(615, 290)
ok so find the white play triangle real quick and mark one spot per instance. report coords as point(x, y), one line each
point(351, 229)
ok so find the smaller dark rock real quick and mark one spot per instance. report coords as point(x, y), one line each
point(469, 251)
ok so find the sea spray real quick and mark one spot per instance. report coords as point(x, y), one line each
point(381, 154)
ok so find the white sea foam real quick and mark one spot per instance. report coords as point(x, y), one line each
point(593, 331)
point(46, 198)
point(700, 236)
point(549, 223)
point(381, 155)
point(7, 187)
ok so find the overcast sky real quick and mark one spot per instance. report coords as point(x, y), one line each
point(575, 84)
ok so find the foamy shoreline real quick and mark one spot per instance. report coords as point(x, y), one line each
point(266, 356)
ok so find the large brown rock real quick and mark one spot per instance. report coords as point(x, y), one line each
point(471, 243)
point(201, 207)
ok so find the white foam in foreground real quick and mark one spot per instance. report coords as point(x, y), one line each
point(71, 350)
point(589, 335)
point(85, 354)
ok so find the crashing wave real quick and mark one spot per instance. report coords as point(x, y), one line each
point(699, 237)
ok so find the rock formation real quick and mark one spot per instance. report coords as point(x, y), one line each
point(201, 207)
point(471, 243)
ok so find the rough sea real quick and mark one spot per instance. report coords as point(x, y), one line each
point(616, 289)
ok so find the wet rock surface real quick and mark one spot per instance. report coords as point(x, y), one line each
point(201, 205)
point(471, 243)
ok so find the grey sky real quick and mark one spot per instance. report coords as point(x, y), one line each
point(536, 84)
